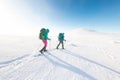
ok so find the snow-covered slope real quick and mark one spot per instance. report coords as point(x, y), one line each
point(92, 38)
point(88, 55)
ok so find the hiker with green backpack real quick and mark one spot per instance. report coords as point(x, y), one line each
point(61, 39)
point(44, 37)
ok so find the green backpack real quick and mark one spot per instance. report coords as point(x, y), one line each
point(42, 32)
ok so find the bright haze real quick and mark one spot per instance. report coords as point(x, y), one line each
point(27, 17)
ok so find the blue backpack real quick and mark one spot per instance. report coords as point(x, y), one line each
point(61, 37)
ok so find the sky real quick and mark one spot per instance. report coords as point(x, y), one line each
point(27, 17)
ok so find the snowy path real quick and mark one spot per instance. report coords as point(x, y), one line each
point(69, 64)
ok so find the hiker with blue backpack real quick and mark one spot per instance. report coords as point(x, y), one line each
point(44, 37)
point(61, 40)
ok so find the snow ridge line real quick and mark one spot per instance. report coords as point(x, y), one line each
point(15, 61)
point(10, 61)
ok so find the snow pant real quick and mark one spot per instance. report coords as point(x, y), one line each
point(44, 42)
point(61, 42)
point(45, 45)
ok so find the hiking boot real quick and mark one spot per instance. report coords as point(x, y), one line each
point(41, 52)
point(45, 50)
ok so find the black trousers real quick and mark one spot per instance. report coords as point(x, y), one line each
point(43, 49)
point(61, 42)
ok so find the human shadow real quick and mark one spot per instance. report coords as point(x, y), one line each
point(57, 61)
point(91, 61)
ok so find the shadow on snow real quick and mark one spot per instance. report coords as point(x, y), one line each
point(68, 66)
point(81, 57)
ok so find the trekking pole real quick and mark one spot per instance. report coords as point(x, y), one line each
point(49, 44)
point(64, 43)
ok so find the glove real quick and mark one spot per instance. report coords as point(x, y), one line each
point(49, 39)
